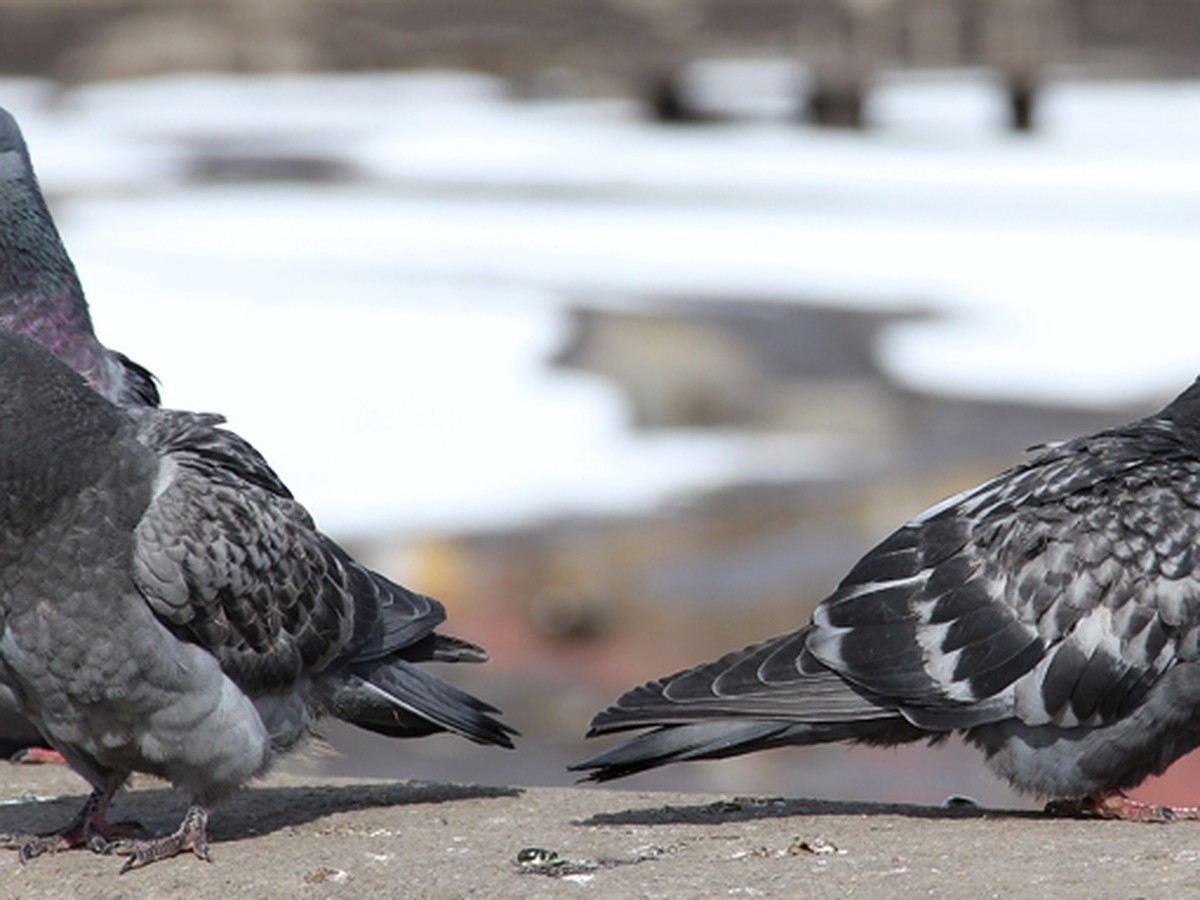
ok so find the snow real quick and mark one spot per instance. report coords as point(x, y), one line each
point(384, 340)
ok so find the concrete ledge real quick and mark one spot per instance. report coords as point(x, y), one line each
point(293, 836)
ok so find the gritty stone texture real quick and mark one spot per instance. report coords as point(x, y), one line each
point(300, 837)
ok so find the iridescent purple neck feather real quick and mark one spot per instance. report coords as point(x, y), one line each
point(40, 293)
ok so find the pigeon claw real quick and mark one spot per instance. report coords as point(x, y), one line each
point(88, 829)
point(32, 846)
point(191, 835)
point(1116, 805)
point(96, 836)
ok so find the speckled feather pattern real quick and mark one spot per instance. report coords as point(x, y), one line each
point(1051, 614)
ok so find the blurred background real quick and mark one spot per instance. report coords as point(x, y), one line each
point(625, 326)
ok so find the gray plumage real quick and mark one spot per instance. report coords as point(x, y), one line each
point(1051, 615)
point(169, 608)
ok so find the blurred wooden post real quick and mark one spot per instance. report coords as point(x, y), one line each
point(1022, 92)
point(676, 26)
point(850, 39)
point(1019, 38)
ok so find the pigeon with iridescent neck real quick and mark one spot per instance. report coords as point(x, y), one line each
point(167, 606)
point(41, 297)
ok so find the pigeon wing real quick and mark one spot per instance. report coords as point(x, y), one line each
point(228, 560)
point(1057, 592)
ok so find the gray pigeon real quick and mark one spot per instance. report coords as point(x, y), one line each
point(1050, 615)
point(40, 296)
point(169, 608)
point(40, 293)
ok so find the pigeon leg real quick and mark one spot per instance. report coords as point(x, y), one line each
point(192, 834)
point(87, 829)
point(1116, 805)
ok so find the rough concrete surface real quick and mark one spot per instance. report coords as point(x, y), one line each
point(300, 837)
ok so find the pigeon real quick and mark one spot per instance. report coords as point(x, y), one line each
point(40, 293)
point(41, 297)
point(1051, 616)
point(169, 608)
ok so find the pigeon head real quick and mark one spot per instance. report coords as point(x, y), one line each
point(40, 293)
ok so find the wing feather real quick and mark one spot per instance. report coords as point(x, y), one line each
point(228, 560)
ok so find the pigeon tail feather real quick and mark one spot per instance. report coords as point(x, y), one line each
point(724, 738)
point(395, 698)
